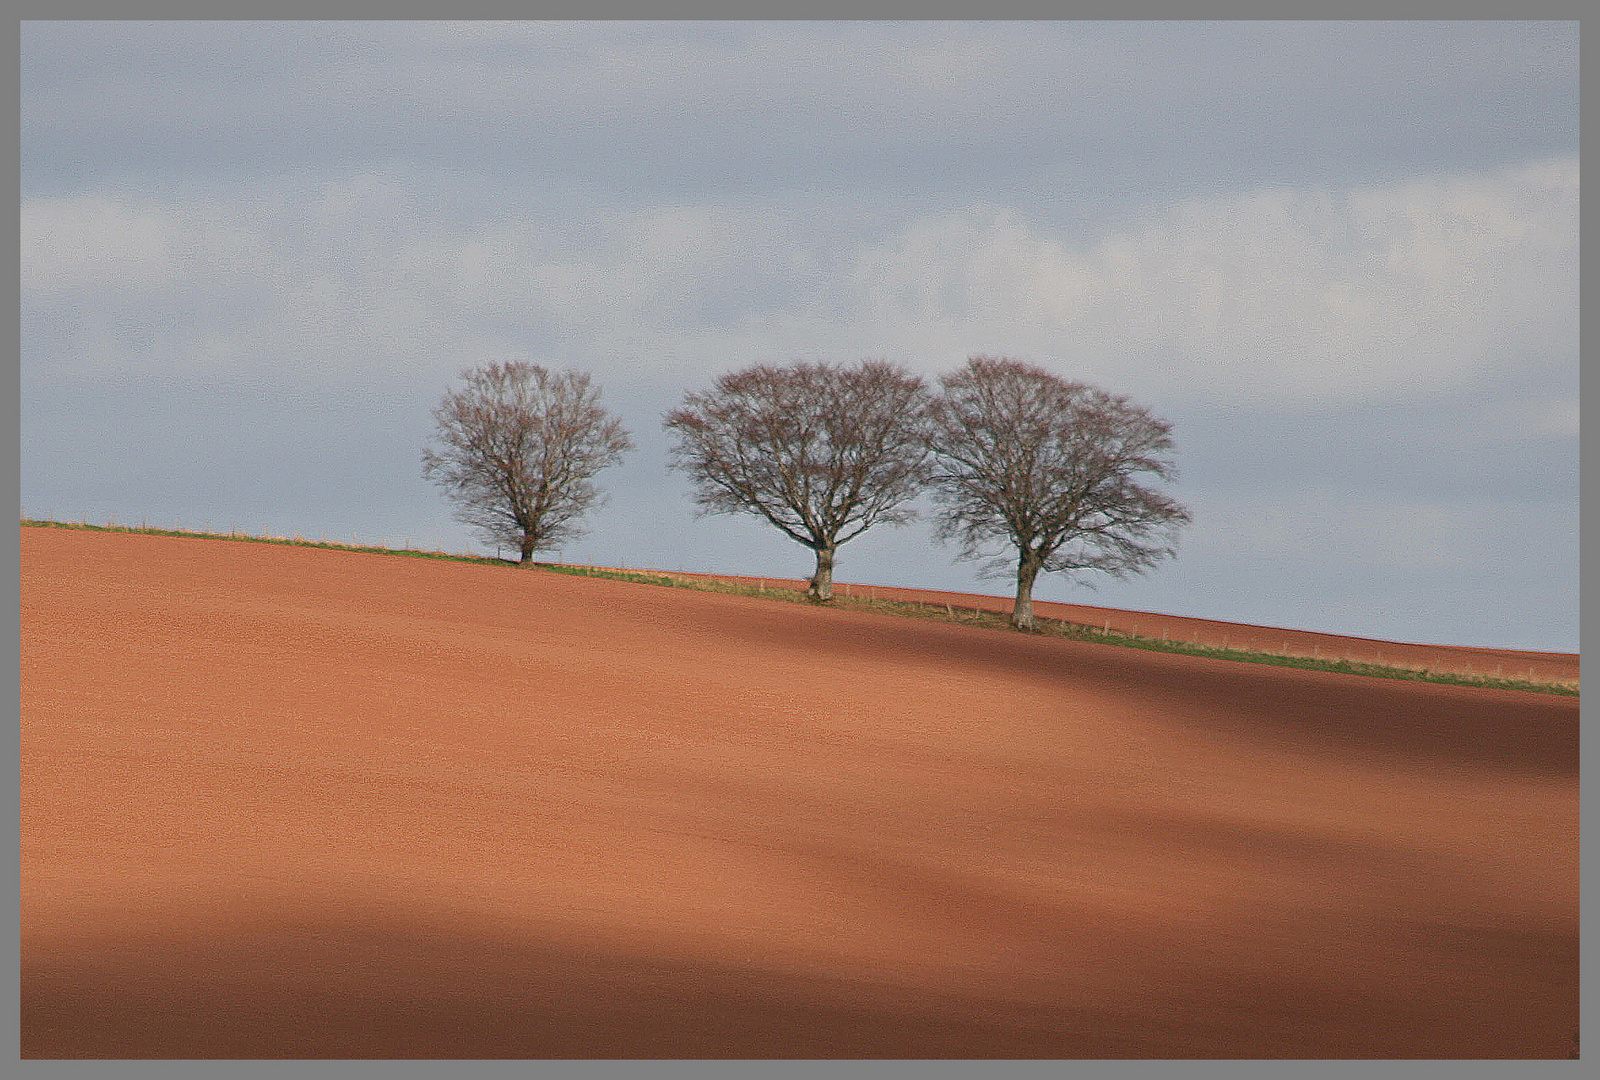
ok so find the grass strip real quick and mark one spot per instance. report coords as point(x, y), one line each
point(975, 617)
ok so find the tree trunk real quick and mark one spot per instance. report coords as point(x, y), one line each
point(1022, 610)
point(821, 587)
point(528, 541)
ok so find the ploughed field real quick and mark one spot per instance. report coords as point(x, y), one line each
point(1546, 667)
point(289, 802)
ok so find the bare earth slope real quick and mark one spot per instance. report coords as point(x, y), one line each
point(288, 802)
point(1510, 663)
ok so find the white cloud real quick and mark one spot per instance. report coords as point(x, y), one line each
point(1546, 419)
point(1278, 295)
point(91, 248)
point(1274, 295)
point(87, 242)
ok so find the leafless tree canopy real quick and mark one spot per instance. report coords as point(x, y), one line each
point(519, 446)
point(822, 452)
point(1052, 469)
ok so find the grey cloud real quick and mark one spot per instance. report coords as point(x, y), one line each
point(1063, 110)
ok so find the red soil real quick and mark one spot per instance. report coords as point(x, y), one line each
point(1510, 663)
point(289, 802)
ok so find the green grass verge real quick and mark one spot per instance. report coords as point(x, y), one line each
point(295, 541)
point(910, 609)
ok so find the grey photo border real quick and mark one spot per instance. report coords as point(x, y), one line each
point(713, 9)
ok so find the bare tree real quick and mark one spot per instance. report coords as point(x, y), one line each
point(1051, 469)
point(520, 446)
point(823, 452)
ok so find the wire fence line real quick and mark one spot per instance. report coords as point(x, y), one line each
point(1345, 660)
point(207, 530)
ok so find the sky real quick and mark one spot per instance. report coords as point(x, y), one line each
point(1340, 258)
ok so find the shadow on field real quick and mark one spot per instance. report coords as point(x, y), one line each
point(383, 987)
point(1321, 712)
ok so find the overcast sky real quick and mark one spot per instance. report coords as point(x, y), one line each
point(1342, 260)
